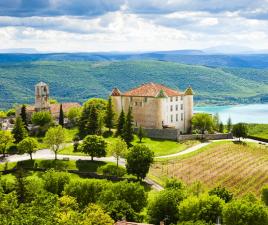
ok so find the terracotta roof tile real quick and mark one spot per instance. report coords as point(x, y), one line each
point(116, 92)
point(55, 108)
point(151, 90)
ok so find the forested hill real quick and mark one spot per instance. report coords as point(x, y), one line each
point(80, 80)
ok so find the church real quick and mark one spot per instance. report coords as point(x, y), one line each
point(156, 106)
point(42, 103)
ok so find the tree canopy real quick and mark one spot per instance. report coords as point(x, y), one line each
point(202, 122)
point(28, 145)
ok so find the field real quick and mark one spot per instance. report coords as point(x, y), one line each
point(258, 130)
point(159, 147)
point(242, 168)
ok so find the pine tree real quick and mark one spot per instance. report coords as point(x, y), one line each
point(93, 122)
point(23, 115)
point(120, 124)
point(128, 132)
point(109, 117)
point(141, 133)
point(221, 127)
point(61, 116)
point(19, 132)
point(229, 124)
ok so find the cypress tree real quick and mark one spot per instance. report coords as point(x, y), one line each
point(23, 116)
point(120, 124)
point(141, 133)
point(93, 122)
point(109, 117)
point(61, 116)
point(19, 132)
point(229, 124)
point(128, 132)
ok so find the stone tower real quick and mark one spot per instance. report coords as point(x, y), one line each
point(41, 97)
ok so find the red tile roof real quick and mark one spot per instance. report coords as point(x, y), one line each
point(116, 92)
point(151, 90)
point(55, 108)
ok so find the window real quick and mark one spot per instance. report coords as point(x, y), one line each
point(177, 118)
point(131, 99)
point(182, 117)
point(171, 108)
point(140, 103)
point(136, 103)
point(171, 99)
point(177, 98)
point(177, 107)
point(181, 97)
point(171, 118)
point(181, 106)
point(145, 99)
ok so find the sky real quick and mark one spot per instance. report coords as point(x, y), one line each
point(132, 25)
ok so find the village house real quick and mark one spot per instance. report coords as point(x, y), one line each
point(156, 106)
point(42, 103)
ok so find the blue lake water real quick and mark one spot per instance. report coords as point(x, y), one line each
point(252, 113)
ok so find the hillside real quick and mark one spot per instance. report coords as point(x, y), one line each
point(242, 168)
point(80, 80)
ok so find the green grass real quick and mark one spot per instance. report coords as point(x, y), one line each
point(159, 147)
point(80, 165)
point(258, 130)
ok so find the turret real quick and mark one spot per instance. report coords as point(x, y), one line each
point(188, 108)
point(41, 97)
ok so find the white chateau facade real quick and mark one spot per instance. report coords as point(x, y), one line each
point(156, 106)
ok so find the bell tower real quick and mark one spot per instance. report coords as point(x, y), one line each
point(41, 97)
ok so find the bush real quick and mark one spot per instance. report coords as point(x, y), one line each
point(241, 212)
point(264, 194)
point(8, 183)
point(222, 193)
point(205, 207)
point(107, 134)
point(12, 149)
point(112, 170)
point(54, 181)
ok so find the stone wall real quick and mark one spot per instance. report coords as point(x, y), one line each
point(168, 134)
point(174, 134)
point(204, 136)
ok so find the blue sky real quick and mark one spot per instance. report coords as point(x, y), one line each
point(132, 25)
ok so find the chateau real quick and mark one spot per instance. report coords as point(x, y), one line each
point(156, 106)
point(42, 103)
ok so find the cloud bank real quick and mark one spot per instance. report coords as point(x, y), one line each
point(132, 25)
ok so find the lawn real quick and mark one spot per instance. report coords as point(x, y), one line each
point(81, 165)
point(159, 147)
point(242, 168)
point(258, 130)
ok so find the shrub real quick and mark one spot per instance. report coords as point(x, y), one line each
point(54, 181)
point(8, 183)
point(264, 194)
point(222, 193)
point(112, 170)
point(107, 134)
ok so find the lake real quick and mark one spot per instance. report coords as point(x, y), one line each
point(252, 113)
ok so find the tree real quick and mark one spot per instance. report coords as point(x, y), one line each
point(6, 138)
point(221, 127)
point(264, 194)
point(73, 115)
point(128, 132)
point(240, 130)
point(23, 115)
point(216, 121)
point(205, 207)
point(54, 138)
point(28, 145)
point(94, 145)
point(53, 101)
point(139, 160)
point(120, 124)
point(61, 116)
point(222, 193)
point(229, 124)
point(93, 122)
point(11, 112)
point(164, 207)
point(202, 122)
point(19, 132)
point(118, 149)
point(41, 118)
point(241, 212)
point(94, 214)
point(109, 117)
point(100, 106)
point(141, 133)
point(3, 115)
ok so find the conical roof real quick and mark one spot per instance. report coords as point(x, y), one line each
point(41, 84)
point(189, 91)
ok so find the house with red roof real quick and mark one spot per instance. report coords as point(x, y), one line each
point(156, 106)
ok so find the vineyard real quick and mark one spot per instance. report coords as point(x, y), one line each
point(242, 168)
